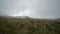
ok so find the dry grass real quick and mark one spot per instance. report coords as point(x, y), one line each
point(29, 26)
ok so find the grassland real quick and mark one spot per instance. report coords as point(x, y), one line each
point(29, 26)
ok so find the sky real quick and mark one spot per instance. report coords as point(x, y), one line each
point(31, 8)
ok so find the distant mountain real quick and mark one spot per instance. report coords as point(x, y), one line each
point(14, 17)
point(20, 16)
point(27, 17)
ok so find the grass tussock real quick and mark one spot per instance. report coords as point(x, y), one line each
point(29, 26)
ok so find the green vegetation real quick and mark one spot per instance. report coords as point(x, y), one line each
point(29, 26)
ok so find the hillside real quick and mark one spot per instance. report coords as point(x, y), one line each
point(29, 26)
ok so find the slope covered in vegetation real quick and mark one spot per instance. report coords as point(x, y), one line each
point(29, 26)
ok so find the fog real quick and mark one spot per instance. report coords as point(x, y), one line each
point(31, 8)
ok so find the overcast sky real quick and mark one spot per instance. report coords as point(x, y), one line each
point(32, 8)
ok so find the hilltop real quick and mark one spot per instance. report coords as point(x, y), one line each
point(28, 25)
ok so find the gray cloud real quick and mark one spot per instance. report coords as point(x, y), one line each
point(32, 8)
